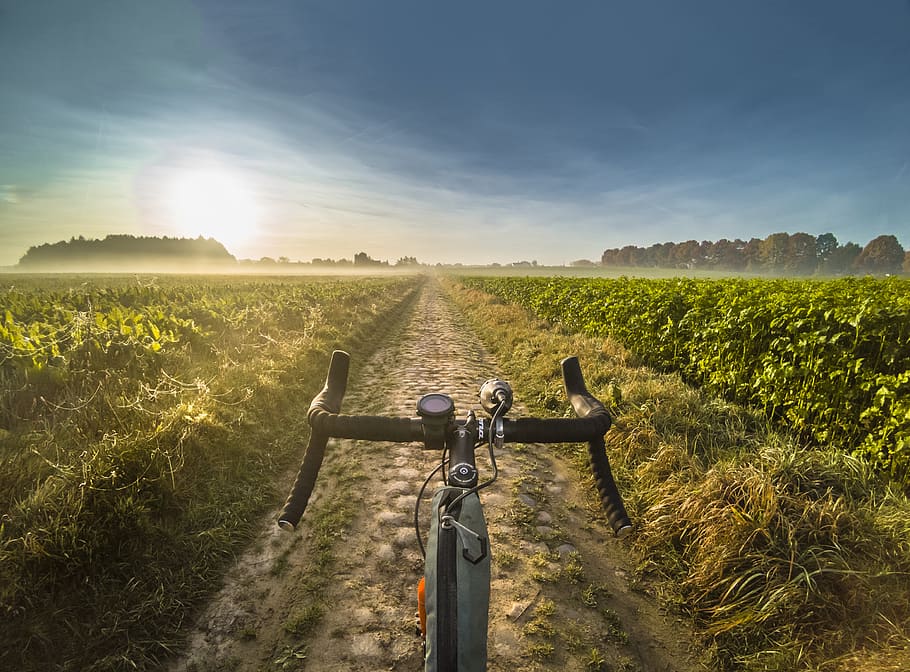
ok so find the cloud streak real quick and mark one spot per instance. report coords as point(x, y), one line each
point(540, 133)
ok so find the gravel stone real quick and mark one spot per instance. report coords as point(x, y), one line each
point(565, 550)
point(527, 500)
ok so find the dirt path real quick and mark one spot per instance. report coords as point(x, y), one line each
point(563, 596)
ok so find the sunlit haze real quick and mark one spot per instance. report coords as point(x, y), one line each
point(212, 203)
point(467, 132)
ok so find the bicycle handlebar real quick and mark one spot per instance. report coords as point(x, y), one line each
point(325, 421)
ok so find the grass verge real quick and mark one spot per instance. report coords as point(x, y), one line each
point(783, 557)
point(123, 507)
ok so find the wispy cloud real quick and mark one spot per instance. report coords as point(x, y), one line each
point(545, 139)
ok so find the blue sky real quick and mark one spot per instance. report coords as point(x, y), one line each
point(468, 131)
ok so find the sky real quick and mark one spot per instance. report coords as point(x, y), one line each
point(468, 131)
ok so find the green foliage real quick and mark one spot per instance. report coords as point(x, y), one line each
point(784, 556)
point(141, 429)
point(830, 360)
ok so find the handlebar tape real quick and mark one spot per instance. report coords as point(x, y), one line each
point(586, 406)
point(336, 382)
point(328, 400)
point(555, 430)
point(610, 498)
point(303, 486)
point(403, 430)
point(582, 400)
point(368, 427)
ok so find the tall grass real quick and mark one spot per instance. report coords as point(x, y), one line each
point(124, 499)
point(783, 557)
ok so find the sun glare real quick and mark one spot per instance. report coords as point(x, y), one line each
point(213, 203)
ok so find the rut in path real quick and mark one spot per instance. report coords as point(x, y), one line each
point(561, 595)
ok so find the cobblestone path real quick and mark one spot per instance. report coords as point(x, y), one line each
point(562, 595)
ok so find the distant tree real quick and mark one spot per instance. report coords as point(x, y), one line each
point(802, 254)
point(363, 259)
point(773, 251)
point(906, 265)
point(728, 254)
point(841, 260)
point(661, 254)
point(751, 252)
point(881, 255)
point(799, 253)
point(631, 255)
point(825, 245)
point(687, 254)
point(407, 261)
point(582, 262)
point(124, 252)
point(284, 260)
point(706, 254)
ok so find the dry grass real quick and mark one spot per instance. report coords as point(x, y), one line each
point(785, 558)
point(122, 511)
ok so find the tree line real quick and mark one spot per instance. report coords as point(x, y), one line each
point(122, 250)
point(128, 252)
point(792, 254)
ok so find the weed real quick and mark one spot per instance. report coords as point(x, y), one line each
point(574, 571)
point(506, 559)
point(596, 661)
point(290, 657)
point(614, 630)
point(303, 621)
point(540, 650)
point(540, 624)
point(593, 594)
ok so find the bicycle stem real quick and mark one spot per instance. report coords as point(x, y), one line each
point(460, 443)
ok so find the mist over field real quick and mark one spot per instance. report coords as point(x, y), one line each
point(780, 254)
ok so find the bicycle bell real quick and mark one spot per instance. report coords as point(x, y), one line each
point(496, 395)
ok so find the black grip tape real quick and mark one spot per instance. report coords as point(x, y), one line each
point(368, 427)
point(586, 406)
point(555, 430)
point(336, 382)
point(606, 486)
point(581, 400)
point(303, 486)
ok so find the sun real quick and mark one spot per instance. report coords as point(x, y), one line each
point(213, 203)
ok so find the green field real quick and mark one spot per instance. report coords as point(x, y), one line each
point(143, 425)
point(829, 360)
point(760, 440)
point(784, 550)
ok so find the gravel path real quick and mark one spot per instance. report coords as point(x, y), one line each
point(563, 595)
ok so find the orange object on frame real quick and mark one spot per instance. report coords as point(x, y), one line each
point(422, 606)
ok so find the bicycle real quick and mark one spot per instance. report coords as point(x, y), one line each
point(454, 594)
